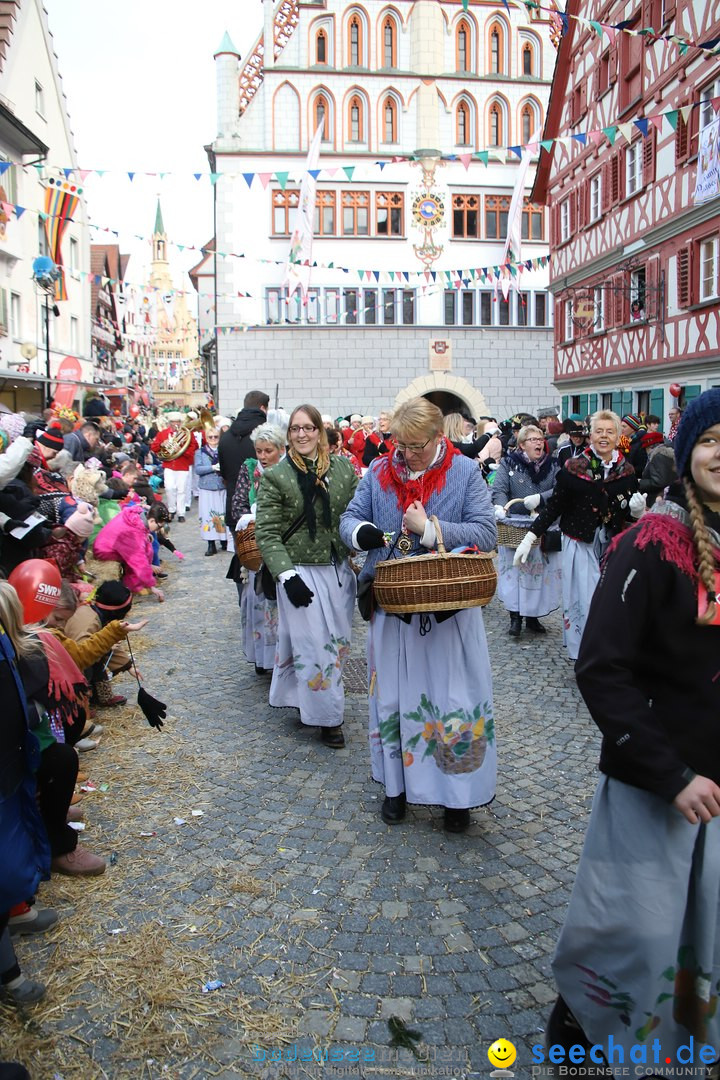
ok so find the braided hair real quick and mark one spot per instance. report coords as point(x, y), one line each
point(704, 548)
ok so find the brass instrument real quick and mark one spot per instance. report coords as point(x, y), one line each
point(177, 443)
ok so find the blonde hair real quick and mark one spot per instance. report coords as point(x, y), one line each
point(454, 427)
point(525, 432)
point(704, 548)
point(12, 618)
point(610, 416)
point(416, 419)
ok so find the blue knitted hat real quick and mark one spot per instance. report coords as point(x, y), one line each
point(701, 414)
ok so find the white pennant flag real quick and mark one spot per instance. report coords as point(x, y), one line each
point(297, 271)
point(513, 242)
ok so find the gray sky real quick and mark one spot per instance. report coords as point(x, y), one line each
point(139, 77)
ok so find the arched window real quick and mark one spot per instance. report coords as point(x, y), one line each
point(390, 129)
point(389, 39)
point(355, 115)
point(528, 59)
point(463, 46)
point(355, 41)
point(496, 125)
point(527, 122)
point(462, 128)
point(322, 116)
point(321, 50)
point(497, 49)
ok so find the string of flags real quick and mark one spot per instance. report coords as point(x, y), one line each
point(611, 30)
point(345, 173)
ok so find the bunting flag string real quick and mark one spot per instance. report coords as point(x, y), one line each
point(494, 153)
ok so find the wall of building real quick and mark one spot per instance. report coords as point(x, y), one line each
point(365, 369)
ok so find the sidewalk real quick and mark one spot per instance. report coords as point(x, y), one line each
point(283, 883)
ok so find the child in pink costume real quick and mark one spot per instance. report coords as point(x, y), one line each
point(126, 538)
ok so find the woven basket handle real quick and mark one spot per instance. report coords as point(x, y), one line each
point(512, 503)
point(438, 536)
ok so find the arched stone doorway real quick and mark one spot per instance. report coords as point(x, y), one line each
point(449, 392)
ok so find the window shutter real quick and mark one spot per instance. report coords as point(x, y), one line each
point(583, 97)
point(657, 403)
point(649, 158)
point(617, 402)
point(615, 179)
point(647, 14)
point(573, 212)
point(582, 197)
point(619, 316)
point(613, 67)
point(681, 141)
point(592, 403)
point(652, 299)
point(559, 320)
point(684, 275)
point(693, 141)
point(564, 406)
point(669, 10)
point(605, 183)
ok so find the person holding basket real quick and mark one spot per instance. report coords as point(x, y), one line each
point(432, 738)
point(524, 479)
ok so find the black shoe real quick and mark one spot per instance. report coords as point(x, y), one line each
point(211, 549)
point(562, 1029)
point(261, 670)
point(181, 517)
point(333, 736)
point(535, 625)
point(393, 809)
point(515, 624)
point(456, 820)
point(223, 545)
point(161, 574)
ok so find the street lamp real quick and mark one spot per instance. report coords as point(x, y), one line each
point(45, 274)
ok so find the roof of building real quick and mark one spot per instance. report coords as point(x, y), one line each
point(159, 227)
point(226, 46)
point(556, 104)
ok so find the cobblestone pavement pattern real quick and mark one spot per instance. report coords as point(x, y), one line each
point(322, 921)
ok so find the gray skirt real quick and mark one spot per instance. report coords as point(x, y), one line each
point(639, 955)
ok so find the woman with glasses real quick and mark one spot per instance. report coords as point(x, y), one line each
point(432, 739)
point(534, 588)
point(211, 501)
point(594, 500)
point(298, 512)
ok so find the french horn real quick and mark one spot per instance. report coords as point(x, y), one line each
point(177, 443)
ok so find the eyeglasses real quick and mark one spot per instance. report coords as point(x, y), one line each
point(297, 428)
point(535, 439)
point(414, 449)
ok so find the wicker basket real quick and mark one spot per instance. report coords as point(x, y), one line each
point(436, 582)
point(510, 535)
point(452, 765)
point(246, 549)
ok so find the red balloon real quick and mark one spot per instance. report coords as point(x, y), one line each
point(675, 389)
point(134, 411)
point(37, 583)
point(128, 436)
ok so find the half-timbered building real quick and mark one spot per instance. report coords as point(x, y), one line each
point(635, 267)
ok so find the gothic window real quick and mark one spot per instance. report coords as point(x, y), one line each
point(322, 116)
point(356, 125)
point(496, 125)
point(527, 118)
point(355, 41)
point(497, 49)
point(389, 37)
point(463, 46)
point(466, 218)
point(462, 134)
point(496, 216)
point(321, 48)
point(527, 59)
point(390, 120)
point(356, 213)
point(389, 213)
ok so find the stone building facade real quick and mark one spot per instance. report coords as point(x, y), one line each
point(419, 105)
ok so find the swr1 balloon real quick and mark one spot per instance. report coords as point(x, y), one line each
point(37, 583)
point(675, 389)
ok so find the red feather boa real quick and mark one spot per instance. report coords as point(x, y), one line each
point(393, 476)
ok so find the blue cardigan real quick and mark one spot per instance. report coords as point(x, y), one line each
point(208, 478)
point(462, 507)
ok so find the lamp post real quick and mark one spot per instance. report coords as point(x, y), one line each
point(45, 274)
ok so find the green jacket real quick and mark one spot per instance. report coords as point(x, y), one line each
point(280, 503)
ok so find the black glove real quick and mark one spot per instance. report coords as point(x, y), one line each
point(11, 524)
point(298, 592)
point(155, 711)
point(369, 537)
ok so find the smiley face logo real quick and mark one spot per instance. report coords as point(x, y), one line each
point(502, 1054)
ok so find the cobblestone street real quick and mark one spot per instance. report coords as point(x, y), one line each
point(282, 882)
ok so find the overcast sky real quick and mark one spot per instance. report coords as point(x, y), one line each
point(139, 77)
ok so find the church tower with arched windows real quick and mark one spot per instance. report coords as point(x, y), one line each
point(423, 112)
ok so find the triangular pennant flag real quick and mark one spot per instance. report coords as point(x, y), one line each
point(685, 112)
point(83, 174)
point(39, 168)
point(484, 156)
point(516, 150)
point(19, 211)
point(465, 4)
point(282, 179)
point(611, 133)
point(214, 177)
point(331, 172)
point(672, 118)
point(581, 138)
point(349, 170)
point(249, 177)
point(197, 175)
point(265, 178)
point(100, 172)
point(533, 147)
point(715, 102)
point(314, 173)
point(595, 136)
point(611, 33)
point(466, 159)
point(547, 144)
point(67, 173)
point(656, 121)
point(131, 175)
point(382, 164)
point(683, 48)
point(376, 274)
point(4, 166)
point(643, 126)
point(7, 209)
point(596, 27)
point(626, 131)
point(180, 247)
point(42, 215)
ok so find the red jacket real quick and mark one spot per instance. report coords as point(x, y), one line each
point(181, 464)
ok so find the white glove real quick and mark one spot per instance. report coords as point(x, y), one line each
point(531, 501)
point(244, 522)
point(524, 548)
point(500, 513)
point(216, 467)
point(638, 505)
point(491, 429)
